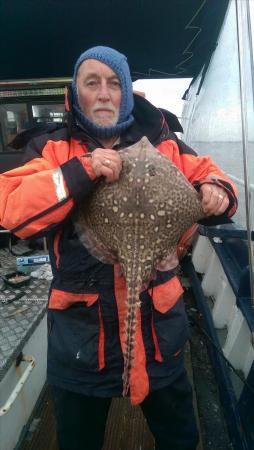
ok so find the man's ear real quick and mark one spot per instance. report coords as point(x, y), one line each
point(67, 97)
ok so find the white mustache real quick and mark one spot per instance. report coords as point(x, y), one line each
point(105, 108)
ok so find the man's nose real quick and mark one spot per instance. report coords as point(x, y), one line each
point(104, 92)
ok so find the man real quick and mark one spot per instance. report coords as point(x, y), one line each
point(61, 168)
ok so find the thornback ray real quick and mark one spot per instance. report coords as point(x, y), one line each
point(137, 221)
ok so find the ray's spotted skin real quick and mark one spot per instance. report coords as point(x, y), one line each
point(137, 221)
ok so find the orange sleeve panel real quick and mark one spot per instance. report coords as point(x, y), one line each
point(199, 170)
point(36, 197)
point(202, 169)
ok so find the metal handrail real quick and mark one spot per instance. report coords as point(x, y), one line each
point(19, 386)
point(239, 181)
point(34, 82)
point(243, 16)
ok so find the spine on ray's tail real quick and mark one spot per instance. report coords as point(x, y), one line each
point(133, 305)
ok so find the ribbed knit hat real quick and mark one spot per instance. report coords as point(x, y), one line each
point(118, 63)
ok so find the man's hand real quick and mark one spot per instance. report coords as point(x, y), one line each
point(107, 163)
point(214, 199)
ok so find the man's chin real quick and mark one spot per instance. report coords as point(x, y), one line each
point(105, 123)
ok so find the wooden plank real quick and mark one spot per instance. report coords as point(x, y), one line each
point(126, 426)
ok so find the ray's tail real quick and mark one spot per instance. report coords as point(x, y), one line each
point(133, 305)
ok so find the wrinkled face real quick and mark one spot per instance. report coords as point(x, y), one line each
point(99, 92)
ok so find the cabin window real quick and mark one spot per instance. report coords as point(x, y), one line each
point(17, 117)
point(13, 120)
point(48, 112)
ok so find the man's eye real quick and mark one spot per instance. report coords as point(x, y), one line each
point(92, 83)
point(115, 83)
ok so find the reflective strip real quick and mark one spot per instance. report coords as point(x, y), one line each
point(58, 180)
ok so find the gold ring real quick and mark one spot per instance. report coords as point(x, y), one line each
point(107, 162)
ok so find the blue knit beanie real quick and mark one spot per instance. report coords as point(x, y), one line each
point(118, 63)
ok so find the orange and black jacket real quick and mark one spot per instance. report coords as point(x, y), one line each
point(87, 298)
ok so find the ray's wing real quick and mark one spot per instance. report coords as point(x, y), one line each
point(93, 244)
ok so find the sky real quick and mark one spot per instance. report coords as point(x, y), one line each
point(164, 93)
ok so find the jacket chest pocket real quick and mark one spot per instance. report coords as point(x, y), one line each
point(169, 321)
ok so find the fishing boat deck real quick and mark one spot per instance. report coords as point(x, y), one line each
point(126, 426)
